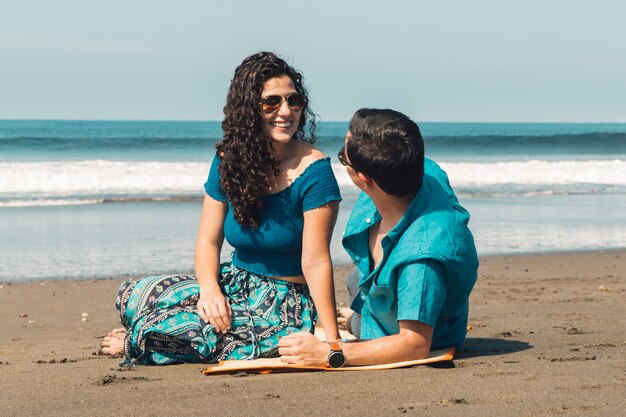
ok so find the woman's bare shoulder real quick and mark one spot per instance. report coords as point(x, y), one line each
point(303, 155)
point(308, 153)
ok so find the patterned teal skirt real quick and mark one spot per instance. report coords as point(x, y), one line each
point(164, 326)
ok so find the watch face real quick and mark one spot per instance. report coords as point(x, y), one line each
point(336, 359)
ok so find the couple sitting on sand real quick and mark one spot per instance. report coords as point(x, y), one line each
point(275, 199)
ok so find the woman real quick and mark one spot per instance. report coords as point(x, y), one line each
point(275, 199)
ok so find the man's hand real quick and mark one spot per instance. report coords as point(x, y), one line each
point(343, 319)
point(303, 349)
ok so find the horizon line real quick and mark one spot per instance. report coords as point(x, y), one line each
point(320, 121)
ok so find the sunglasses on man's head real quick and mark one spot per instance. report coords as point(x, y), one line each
point(295, 101)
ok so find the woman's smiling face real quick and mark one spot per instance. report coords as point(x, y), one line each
point(281, 125)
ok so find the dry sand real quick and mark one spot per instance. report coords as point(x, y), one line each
point(549, 339)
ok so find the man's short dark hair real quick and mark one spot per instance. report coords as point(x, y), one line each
point(388, 147)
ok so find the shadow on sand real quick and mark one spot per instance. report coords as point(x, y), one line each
point(477, 347)
point(474, 347)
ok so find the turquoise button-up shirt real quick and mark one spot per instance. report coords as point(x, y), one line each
point(429, 264)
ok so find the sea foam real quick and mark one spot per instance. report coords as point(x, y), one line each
point(96, 181)
point(534, 177)
point(101, 177)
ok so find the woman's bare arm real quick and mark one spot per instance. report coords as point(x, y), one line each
point(317, 264)
point(212, 305)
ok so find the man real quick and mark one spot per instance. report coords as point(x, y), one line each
point(408, 237)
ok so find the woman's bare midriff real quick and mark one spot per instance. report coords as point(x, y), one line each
point(298, 279)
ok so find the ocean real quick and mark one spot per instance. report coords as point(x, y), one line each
point(105, 198)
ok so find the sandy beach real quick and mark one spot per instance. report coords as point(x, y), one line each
point(548, 338)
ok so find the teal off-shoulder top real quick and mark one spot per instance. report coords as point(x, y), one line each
point(275, 248)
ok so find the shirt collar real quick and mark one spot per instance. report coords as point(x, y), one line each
point(365, 214)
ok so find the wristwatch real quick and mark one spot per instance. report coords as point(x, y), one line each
point(336, 358)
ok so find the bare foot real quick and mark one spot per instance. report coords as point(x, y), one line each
point(119, 330)
point(113, 343)
point(343, 318)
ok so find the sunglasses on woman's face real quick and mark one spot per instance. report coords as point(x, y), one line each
point(295, 101)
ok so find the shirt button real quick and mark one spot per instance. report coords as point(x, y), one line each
point(368, 220)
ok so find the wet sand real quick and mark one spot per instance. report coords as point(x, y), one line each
point(548, 338)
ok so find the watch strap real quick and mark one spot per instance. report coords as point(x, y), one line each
point(335, 347)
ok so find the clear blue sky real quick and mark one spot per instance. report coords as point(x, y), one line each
point(544, 61)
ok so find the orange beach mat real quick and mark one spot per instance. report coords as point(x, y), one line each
point(270, 365)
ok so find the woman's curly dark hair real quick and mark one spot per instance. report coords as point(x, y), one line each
point(246, 158)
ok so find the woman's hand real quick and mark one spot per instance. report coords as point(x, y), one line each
point(215, 309)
